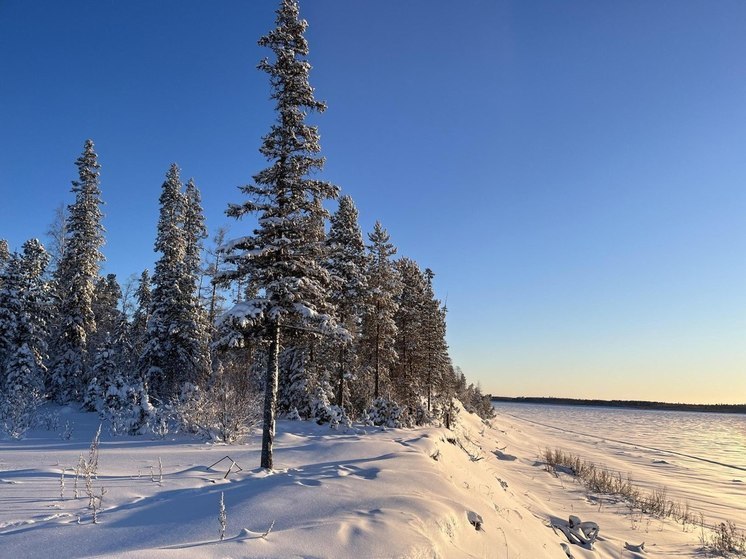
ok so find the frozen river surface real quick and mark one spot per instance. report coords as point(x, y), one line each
point(699, 458)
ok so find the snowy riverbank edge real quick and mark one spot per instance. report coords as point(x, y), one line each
point(479, 490)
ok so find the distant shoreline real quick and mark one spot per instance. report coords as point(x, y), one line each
point(628, 404)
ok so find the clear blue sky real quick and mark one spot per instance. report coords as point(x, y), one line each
point(573, 172)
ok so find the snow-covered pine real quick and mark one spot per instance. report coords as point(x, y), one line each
point(197, 327)
point(109, 347)
point(176, 351)
point(138, 328)
point(24, 317)
point(294, 386)
point(378, 326)
point(108, 317)
point(408, 373)
point(76, 276)
point(283, 256)
point(127, 406)
point(347, 265)
point(440, 378)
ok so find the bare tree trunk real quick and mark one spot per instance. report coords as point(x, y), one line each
point(270, 394)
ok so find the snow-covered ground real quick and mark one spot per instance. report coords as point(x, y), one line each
point(362, 493)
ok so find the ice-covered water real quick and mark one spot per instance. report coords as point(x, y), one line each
point(715, 437)
point(699, 458)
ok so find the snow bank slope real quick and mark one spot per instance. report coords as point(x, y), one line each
point(369, 493)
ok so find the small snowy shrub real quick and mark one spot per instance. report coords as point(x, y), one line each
point(18, 415)
point(324, 412)
point(221, 413)
point(48, 420)
point(421, 416)
point(93, 397)
point(384, 412)
point(320, 407)
point(338, 417)
point(127, 406)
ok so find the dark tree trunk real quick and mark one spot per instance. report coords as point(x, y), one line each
point(270, 394)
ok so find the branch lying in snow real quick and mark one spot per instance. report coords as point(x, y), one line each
point(265, 534)
point(230, 469)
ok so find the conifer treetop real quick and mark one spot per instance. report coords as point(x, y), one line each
point(284, 255)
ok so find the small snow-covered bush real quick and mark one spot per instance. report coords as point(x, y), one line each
point(17, 417)
point(324, 412)
point(94, 395)
point(338, 417)
point(386, 413)
point(222, 412)
point(127, 406)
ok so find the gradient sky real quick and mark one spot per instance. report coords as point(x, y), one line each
point(574, 172)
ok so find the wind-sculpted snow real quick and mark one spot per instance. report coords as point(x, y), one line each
point(363, 492)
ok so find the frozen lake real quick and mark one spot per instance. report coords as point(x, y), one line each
point(699, 458)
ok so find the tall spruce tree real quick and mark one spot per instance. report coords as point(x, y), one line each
point(283, 255)
point(347, 264)
point(175, 353)
point(138, 333)
point(438, 363)
point(196, 328)
point(408, 371)
point(379, 327)
point(76, 279)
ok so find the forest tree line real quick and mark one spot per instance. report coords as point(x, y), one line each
point(303, 317)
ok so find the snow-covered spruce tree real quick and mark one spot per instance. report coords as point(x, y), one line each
point(110, 346)
point(138, 329)
point(24, 315)
point(197, 328)
point(347, 263)
point(176, 352)
point(103, 371)
point(439, 379)
point(378, 326)
point(110, 320)
point(282, 257)
point(76, 277)
point(408, 372)
point(195, 232)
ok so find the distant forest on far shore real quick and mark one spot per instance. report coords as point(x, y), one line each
point(632, 404)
